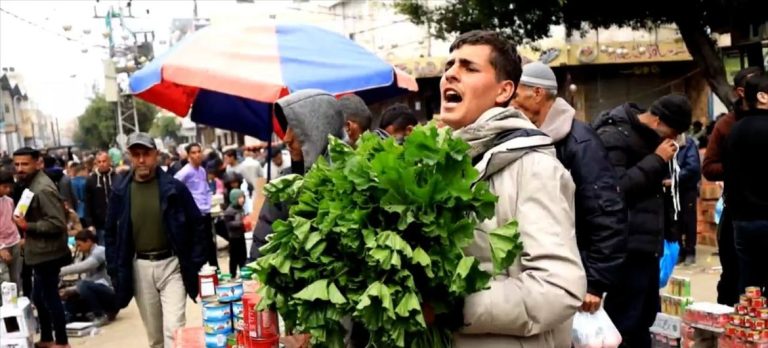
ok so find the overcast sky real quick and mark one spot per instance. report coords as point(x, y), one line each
point(56, 72)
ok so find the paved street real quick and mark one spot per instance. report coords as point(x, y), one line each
point(127, 330)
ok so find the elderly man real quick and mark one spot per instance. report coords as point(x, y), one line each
point(98, 187)
point(155, 243)
point(600, 214)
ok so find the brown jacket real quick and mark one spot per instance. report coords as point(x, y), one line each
point(712, 166)
point(46, 235)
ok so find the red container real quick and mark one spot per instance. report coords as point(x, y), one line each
point(207, 281)
point(259, 324)
point(742, 309)
point(754, 292)
point(758, 303)
point(264, 342)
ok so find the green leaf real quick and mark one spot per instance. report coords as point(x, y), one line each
point(335, 295)
point(315, 291)
point(505, 246)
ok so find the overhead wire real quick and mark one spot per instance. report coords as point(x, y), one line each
point(55, 32)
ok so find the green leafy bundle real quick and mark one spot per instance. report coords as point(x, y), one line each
point(376, 233)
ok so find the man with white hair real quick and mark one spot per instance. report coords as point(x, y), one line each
point(601, 219)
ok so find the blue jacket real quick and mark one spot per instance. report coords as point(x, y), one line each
point(183, 224)
point(690, 166)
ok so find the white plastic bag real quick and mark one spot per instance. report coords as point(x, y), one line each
point(594, 330)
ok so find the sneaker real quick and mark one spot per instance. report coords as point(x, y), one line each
point(690, 260)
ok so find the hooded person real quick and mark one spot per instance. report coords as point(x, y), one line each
point(309, 117)
point(640, 145)
point(601, 218)
point(234, 219)
point(531, 303)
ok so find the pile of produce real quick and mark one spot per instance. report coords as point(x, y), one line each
point(376, 235)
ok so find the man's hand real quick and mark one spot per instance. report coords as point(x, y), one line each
point(666, 149)
point(591, 303)
point(666, 182)
point(21, 222)
point(5, 256)
point(295, 341)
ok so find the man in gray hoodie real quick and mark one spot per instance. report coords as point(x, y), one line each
point(308, 116)
point(601, 218)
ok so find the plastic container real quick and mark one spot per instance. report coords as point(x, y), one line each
point(237, 308)
point(222, 326)
point(230, 291)
point(207, 281)
point(215, 340)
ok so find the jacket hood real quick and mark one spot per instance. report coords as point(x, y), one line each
point(501, 136)
point(627, 114)
point(313, 115)
point(559, 120)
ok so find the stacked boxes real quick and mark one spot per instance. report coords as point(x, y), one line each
point(679, 297)
point(706, 228)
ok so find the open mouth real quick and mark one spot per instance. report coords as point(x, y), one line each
point(451, 96)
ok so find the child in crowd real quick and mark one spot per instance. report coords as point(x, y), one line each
point(234, 216)
point(10, 240)
point(73, 219)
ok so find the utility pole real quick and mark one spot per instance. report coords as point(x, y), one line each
point(127, 117)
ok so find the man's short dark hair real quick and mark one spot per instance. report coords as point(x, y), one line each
point(86, 235)
point(355, 110)
point(231, 153)
point(740, 79)
point(398, 115)
point(27, 151)
point(504, 57)
point(6, 177)
point(189, 147)
point(755, 84)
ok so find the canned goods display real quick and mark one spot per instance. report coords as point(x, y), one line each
point(758, 302)
point(764, 336)
point(215, 340)
point(230, 291)
point(753, 312)
point(731, 330)
point(223, 326)
point(754, 292)
point(742, 333)
point(737, 320)
point(742, 309)
point(758, 324)
point(763, 314)
point(237, 308)
point(754, 335)
point(748, 323)
point(745, 300)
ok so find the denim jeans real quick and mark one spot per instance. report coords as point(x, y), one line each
point(752, 249)
point(50, 310)
point(95, 298)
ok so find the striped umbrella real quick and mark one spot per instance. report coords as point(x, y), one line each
point(230, 76)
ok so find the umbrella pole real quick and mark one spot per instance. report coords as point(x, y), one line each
point(269, 152)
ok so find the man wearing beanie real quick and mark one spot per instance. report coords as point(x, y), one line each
point(640, 143)
point(601, 218)
point(712, 167)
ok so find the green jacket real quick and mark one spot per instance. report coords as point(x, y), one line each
point(46, 235)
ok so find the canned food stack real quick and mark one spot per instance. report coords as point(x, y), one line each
point(749, 322)
point(679, 297)
point(223, 311)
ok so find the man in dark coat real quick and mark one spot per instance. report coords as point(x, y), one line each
point(155, 243)
point(712, 167)
point(688, 187)
point(98, 187)
point(601, 218)
point(640, 145)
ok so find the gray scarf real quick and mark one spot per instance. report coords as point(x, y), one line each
point(481, 134)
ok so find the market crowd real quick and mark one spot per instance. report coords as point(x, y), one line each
point(595, 203)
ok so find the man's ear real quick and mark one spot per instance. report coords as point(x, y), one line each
point(505, 93)
point(408, 130)
point(762, 97)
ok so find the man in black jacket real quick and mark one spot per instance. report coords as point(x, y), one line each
point(745, 174)
point(154, 243)
point(601, 218)
point(98, 187)
point(640, 144)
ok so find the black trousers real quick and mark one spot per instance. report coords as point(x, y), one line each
point(210, 240)
point(728, 287)
point(50, 310)
point(686, 222)
point(633, 301)
point(751, 243)
point(236, 254)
